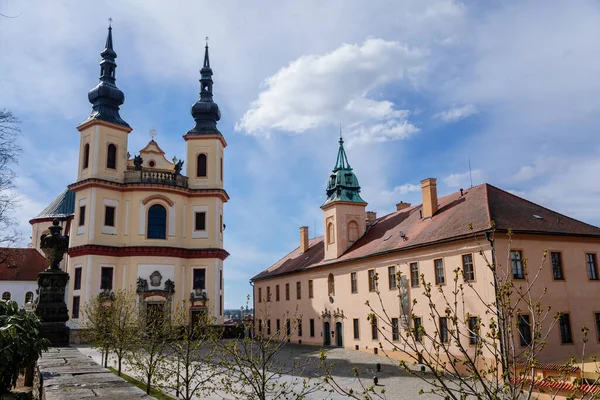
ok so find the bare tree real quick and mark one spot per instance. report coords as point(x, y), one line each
point(124, 325)
point(9, 152)
point(458, 355)
point(98, 315)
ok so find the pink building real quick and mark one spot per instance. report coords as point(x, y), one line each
point(325, 282)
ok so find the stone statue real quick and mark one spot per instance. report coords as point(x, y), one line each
point(142, 285)
point(169, 286)
point(137, 162)
point(178, 167)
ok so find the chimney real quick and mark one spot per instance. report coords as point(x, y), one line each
point(430, 201)
point(371, 217)
point(402, 205)
point(303, 239)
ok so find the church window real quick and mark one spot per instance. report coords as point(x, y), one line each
point(111, 156)
point(352, 231)
point(6, 296)
point(109, 216)
point(157, 222)
point(81, 215)
point(151, 164)
point(201, 167)
point(75, 307)
point(221, 169)
point(200, 221)
point(77, 279)
point(199, 279)
point(28, 297)
point(330, 234)
point(331, 285)
point(106, 278)
point(86, 155)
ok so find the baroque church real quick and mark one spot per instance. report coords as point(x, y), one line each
point(144, 223)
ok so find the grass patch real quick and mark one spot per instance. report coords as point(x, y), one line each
point(153, 391)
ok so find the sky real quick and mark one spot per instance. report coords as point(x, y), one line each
point(420, 88)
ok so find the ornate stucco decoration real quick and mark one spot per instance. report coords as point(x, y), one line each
point(142, 285)
point(326, 314)
point(337, 314)
point(155, 279)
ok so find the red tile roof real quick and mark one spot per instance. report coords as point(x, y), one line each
point(477, 207)
point(21, 264)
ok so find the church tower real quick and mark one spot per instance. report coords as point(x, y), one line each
point(344, 213)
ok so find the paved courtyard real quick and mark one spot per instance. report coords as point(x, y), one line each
point(397, 384)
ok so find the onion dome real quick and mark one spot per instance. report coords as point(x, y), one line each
point(205, 111)
point(106, 97)
point(343, 184)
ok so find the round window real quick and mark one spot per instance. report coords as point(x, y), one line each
point(151, 163)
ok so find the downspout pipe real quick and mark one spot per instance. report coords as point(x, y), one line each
point(490, 238)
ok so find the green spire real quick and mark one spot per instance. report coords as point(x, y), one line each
point(343, 184)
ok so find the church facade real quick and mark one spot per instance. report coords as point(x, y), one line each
point(144, 223)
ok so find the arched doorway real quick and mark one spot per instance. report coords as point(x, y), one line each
point(338, 334)
point(326, 334)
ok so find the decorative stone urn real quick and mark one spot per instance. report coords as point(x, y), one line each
point(50, 305)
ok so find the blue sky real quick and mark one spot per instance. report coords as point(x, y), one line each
point(418, 86)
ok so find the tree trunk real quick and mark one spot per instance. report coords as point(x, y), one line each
point(119, 370)
point(148, 385)
point(28, 379)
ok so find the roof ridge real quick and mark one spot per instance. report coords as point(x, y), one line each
point(487, 204)
point(541, 206)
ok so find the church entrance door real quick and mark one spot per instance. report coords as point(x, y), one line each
point(326, 334)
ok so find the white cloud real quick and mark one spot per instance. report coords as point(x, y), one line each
point(320, 90)
point(464, 179)
point(403, 189)
point(456, 113)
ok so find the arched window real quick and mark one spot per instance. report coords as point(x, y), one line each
point(331, 285)
point(111, 156)
point(201, 167)
point(157, 222)
point(86, 155)
point(330, 234)
point(6, 296)
point(352, 231)
point(28, 297)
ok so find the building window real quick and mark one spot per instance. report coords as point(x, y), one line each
point(355, 328)
point(524, 329)
point(111, 156)
point(392, 277)
point(268, 293)
point(6, 296)
point(557, 271)
point(440, 275)
point(565, 329)
point(157, 222)
point(597, 318)
point(516, 258)
point(221, 304)
point(151, 163)
point(330, 234)
point(287, 291)
point(106, 278)
point(591, 266)
point(468, 269)
point(260, 327)
point(77, 280)
point(221, 169)
point(201, 166)
point(109, 216)
point(374, 333)
point(298, 290)
point(200, 279)
point(417, 324)
point(395, 329)
point(312, 327)
point(310, 289)
point(443, 329)
point(260, 295)
point(268, 327)
point(86, 155)
point(29, 297)
point(352, 232)
point(473, 330)
point(353, 283)
point(75, 309)
point(288, 327)
point(200, 221)
point(221, 279)
point(221, 223)
point(371, 280)
point(81, 215)
point(278, 325)
point(299, 327)
point(331, 285)
point(414, 274)
point(276, 292)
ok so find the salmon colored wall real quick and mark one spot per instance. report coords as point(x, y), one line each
point(340, 214)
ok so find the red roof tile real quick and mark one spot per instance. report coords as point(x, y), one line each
point(21, 264)
point(477, 207)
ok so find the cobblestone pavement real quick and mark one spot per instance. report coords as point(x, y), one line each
point(397, 384)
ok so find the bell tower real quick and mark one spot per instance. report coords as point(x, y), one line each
point(344, 214)
point(103, 142)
